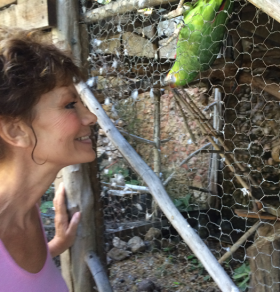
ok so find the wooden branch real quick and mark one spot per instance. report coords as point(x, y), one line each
point(157, 158)
point(181, 4)
point(185, 161)
point(180, 10)
point(145, 190)
point(214, 162)
point(199, 189)
point(195, 112)
point(211, 105)
point(261, 83)
point(186, 122)
point(257, 215)
point(120, 7)
point(100, 277)
point(212, 151)
point(165, 140)
point(174, 13)
point(4, 3)
point(139, 139)
point(138, 189)
point(121, 193)
point(205, 128)
point(270, 7)
point(156, 150)
point(155, 43)
point(240, 241)
point(162, 198)
point(173, 36)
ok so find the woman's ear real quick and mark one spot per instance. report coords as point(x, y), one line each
point(15, 132)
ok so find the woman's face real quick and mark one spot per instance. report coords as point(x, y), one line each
point(62, 127)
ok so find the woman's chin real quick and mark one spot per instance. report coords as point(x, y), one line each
point(82, 159)
point(88, 158)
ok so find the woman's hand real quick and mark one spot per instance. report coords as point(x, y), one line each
point(65, 232)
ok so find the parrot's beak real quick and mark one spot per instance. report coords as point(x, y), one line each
point(170, 79)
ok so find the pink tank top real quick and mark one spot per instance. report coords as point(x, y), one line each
point(15, 279)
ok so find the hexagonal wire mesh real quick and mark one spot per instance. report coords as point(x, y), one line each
point(214, 142)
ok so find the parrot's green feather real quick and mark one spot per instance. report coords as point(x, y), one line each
point(200, 39)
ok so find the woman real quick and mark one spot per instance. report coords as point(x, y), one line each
point(43, 127)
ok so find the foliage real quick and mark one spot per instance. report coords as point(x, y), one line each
point(242, 276)
point(183, 204)
point(50, 190)
point(133, 182)
point(195, 264)
point(115, 169)
point(49, 194)
point(45, 206)
point(164, 269)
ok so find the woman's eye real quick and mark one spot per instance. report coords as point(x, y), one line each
point(70, 105)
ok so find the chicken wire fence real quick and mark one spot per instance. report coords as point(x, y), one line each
point(214, 142)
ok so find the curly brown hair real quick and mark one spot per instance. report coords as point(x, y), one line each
point(30, 67)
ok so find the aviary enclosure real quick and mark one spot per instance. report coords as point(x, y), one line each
point(214, 144)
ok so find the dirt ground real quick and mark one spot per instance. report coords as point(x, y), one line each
point(167, 272)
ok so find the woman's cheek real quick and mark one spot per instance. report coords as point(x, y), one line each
point(67, 123)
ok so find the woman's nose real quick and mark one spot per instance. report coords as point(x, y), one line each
point(87, 117)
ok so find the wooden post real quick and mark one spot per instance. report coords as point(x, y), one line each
point(79, 198)
point(81, 181)
point(121, 7)
point(264, 259)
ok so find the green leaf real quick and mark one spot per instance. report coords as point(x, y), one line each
point(238, 276)
point(186, 200)
point(133, 182)
point(45, 206)
point(206, 278)
point(125, 172)
point(177, 203)
point(245, 281)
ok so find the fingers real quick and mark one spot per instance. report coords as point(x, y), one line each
point(59, 201)
point(73, 225)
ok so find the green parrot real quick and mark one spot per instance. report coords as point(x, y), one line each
point(199, 40)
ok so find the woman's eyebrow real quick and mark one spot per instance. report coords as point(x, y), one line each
point(69, 93)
